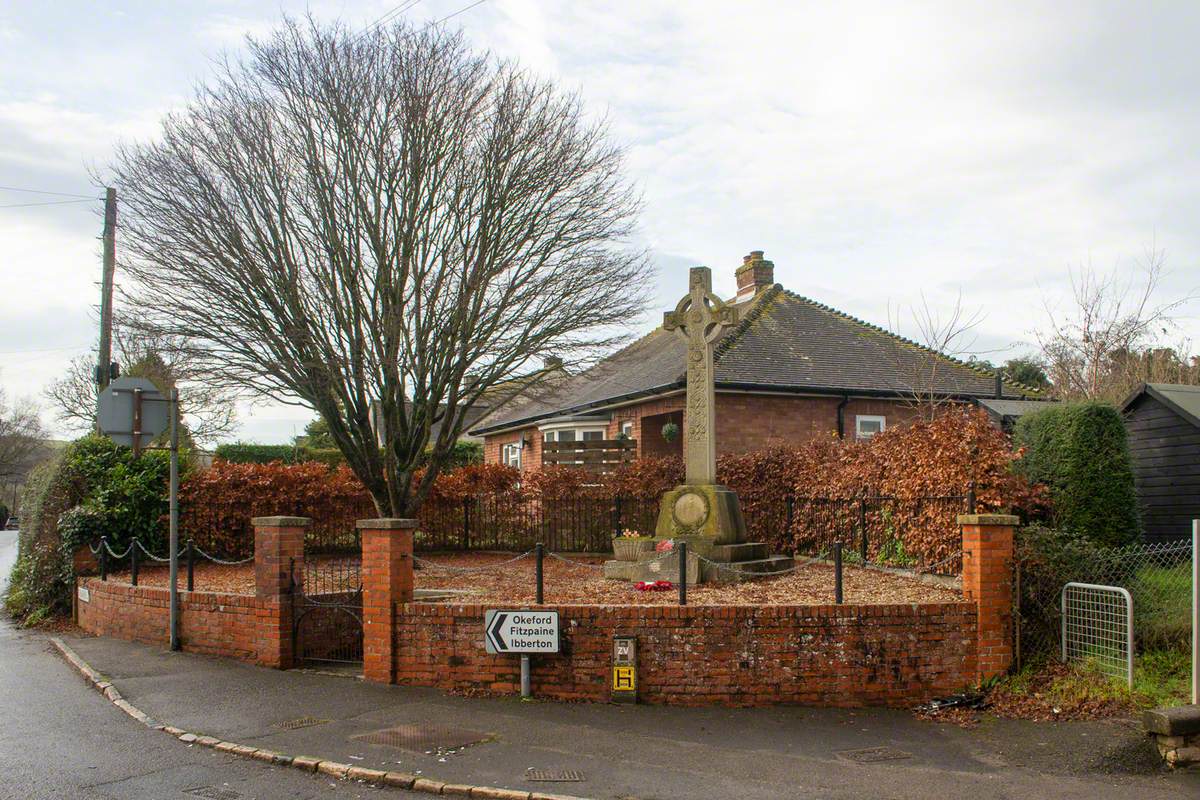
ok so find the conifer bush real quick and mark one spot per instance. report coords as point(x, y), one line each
point(1080, 452)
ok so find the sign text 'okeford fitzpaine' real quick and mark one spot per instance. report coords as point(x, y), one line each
point(521, 631)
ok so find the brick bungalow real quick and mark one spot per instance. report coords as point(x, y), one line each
point(791, 370)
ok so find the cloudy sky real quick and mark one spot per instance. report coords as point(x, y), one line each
point(875, 154)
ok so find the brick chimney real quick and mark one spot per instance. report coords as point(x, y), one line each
point(754, 276)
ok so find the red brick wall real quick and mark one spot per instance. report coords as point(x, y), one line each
point(745, 423)
point(209, 622)
point(893, 655)
point(987, 580)
point(387, 576)
point(531, 457)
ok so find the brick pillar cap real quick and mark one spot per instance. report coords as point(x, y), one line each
point(386, 524)
point(280, 522)
point(988, 519)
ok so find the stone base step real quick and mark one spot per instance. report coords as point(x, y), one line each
point(665, 567)
point(739, 571)
point(742, 551)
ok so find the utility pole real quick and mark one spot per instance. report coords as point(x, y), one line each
point(104, 363)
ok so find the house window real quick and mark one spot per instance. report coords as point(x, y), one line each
point(510, 454)
point(573, 435)
point(866, 426)
point(627, 429)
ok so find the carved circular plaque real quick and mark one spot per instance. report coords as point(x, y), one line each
point(691, 510)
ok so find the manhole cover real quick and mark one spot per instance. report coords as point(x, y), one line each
point(423, 738)
point(303, 722)
point(558, 775)
point(213, 793)
point(870, 755)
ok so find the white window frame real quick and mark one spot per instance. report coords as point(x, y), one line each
point(861, 418)
point(507, 451)
point(550, 432)
point(627, 428)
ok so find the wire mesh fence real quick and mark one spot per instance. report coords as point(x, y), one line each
point(1157, 576)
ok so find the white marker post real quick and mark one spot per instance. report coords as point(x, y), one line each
point(523, 633)
point(1195, 611)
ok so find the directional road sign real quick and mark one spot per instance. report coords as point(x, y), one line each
point(521, 632)
point(123, 407)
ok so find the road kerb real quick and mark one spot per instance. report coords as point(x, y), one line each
point(394, 780)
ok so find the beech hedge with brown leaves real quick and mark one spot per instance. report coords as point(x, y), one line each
point(906, 465)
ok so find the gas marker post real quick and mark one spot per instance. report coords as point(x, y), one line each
point(524, 633)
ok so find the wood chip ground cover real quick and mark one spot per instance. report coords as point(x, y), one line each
point(492, 581)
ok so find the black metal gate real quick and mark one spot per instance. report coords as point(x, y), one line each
point(327, 627)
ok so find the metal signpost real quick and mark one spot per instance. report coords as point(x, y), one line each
point(132, 412)
point(521, 633)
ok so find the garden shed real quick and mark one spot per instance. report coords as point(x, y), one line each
point(1163, 421)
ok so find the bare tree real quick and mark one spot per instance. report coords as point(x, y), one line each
point(22, 437)
point(384, 221)
point(1102, 346)
point(928, 368)
point(209, 408)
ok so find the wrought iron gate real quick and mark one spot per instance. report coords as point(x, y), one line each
point(327, 626)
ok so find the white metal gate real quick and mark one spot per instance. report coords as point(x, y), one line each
point(1097, 626)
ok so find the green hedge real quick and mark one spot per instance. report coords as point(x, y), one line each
point(40, 582)
point(464, 453)
point(92, 488)
point(243, 453)
point(1081, 453)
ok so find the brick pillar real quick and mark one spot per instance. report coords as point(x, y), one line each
point(987, 580)
point(278, 546)
point(387, 576)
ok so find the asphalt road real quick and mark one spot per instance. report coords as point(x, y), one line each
point(61, 740)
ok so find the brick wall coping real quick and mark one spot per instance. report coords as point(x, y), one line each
point(218, 598)
point(477, 609)
point(988, 519)
point(729, 611)
point(386, 524)
point(280, 522)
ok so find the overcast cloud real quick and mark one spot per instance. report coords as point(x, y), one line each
point(874, 151)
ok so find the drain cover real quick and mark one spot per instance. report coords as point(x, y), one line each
point(871, 755)
point(423, 738)
point(213, 793)
point(303, 722)
point(560, 775)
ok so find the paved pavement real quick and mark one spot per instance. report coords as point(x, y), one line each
point(61, 740)
point(640, 752)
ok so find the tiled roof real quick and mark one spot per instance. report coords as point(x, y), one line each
point(783, 342)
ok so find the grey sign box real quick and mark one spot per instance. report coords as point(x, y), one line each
point(521, 631)
point(116, 410)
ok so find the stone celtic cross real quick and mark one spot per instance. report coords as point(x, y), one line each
point(698, 319)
